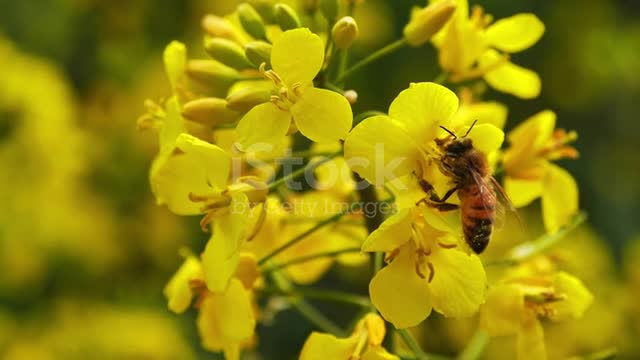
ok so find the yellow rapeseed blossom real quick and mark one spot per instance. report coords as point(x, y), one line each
point(530, 174)
point(364, 343)
point(226, 318)
point(471, 46)
point(427, 270)
point(319, 114)
point(532, 291)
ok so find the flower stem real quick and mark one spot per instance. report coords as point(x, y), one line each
point(529, 249)
point(324, 294)
point(412, 343)
point(476, 346)
point(441, 78)
point(307, 258)
point(301, 172)
point(305, 309)
point(390, 48)
point(303, 235)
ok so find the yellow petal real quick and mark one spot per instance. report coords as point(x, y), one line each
point(322, 115)
point(175, 61)
point(489, 112)
point(559, 198)
point(577, 297)
point(297, 56)
point(194, 166)
point(320, 346)
point(422, 108)
point(515, 33)
point(263, 126)
point(172, 126)
point(522, 192)
point(459, 283)
point(222, 253)
point(178, 290)
point(486, 138)
point(530, 340)
point(378, 353)
point(461, 44)
point(380, 151)
point(534, 132)
point(402, 297)
point(391, 234)
point(247, 271)
point(226, 318)
point(502, 311)
point(510, 78)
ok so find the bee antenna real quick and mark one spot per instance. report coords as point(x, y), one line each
point(468, 131)
point(449, 131)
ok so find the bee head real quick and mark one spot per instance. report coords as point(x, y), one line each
point(458, 147)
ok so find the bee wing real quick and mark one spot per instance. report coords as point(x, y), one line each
point(492, 194)
point(504, 201)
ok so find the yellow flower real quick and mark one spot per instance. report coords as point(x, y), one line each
point(226, 318)
point(364, 343)
point(529, 292)
point(300, 214)
point(319, 114)
point(395, 149)
point(530, 174)
point(471, 47)
point(427, 270)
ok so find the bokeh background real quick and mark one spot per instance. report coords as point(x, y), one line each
point(85, 253)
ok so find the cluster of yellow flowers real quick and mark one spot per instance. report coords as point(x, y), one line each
point(269, 109)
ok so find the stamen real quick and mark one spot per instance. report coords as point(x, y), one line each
point(392, 255)
point(432, 271)
point(419, 271)
point(206, 220)
point(259, 222)
point(446, 246)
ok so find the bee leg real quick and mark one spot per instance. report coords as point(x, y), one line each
point(444, 206)
point(434, 197)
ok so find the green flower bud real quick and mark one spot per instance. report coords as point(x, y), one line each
point(286, 17)
point(329, 9)
point(245, 99)
point(211, 74)
point(209, 111)
point(345, 32)
point(251, 21)
point(258, 52)
point(226, 52)
point(428, 21)
point(218, 27)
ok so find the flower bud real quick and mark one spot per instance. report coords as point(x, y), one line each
point(209, 111)
point(258, 52)
point(251, 21)
point(211, 73)
point(427, 21)
point(345, 32)
point(329, 9)
point(226, 52)
point(218, 27)
point(245, 99)
point(175, 59)
point(286, 17)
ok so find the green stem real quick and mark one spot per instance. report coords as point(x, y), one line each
point(532, 248)
point(304, 308)
point(303, 235)
point(307, 258)
point(412, 344)
point(476, 346)
point(323, 294)
point(300, 172)
point(335, 88)
point(390, 48)
point(441, 78)
point(365, 114)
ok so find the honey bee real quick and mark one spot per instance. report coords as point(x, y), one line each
point(469, 170)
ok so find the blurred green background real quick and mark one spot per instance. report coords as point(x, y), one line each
point(85, 253)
